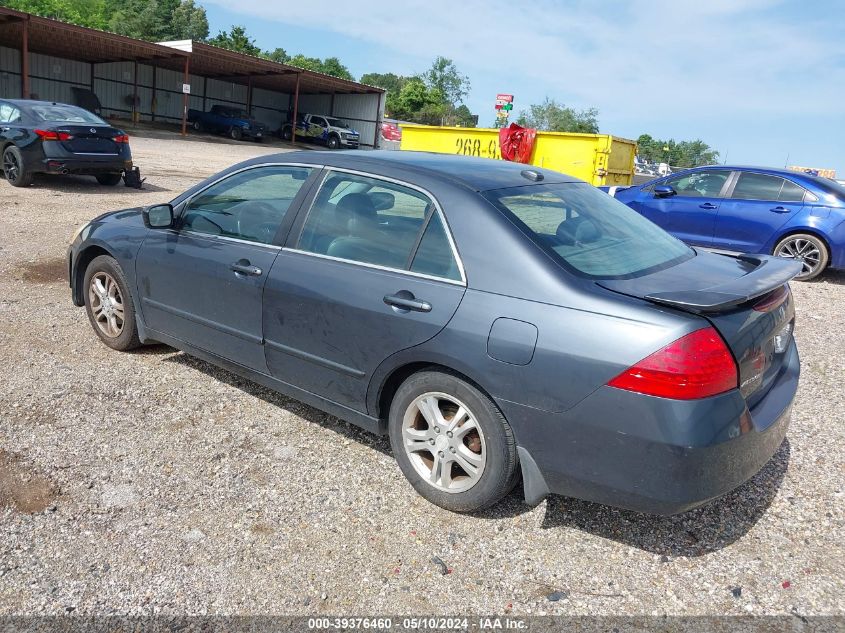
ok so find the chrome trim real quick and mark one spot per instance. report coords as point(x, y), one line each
point(88, 154)
point(225, 238)
point(388, 269)
point(425, 192)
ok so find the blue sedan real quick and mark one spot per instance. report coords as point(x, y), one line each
point(498, 322)
point(749, 210)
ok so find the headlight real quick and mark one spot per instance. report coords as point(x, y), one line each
point(78, 231)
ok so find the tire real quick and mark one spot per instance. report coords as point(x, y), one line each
point(491, 445)
point(808, 249)
point(287, 134)
point(333, 142)
point(109, 180)
point(14, 168)
point(198, 127)
point(236, 133)
point(124, 335)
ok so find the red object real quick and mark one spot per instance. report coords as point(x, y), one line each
point(786, 584)
point(391, 131)
point(517, 143)
point(697, 365)
point(504, 97)
point(52, 135)
point(121, 138)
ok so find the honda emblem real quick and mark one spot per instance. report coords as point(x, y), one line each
point(93, 130)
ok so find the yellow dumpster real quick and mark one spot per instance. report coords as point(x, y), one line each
point(600, 159)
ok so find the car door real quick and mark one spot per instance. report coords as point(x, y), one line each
point(202, 282)
point(372, 271)
point(317, 128)
point(756, 207)
point(689, 213)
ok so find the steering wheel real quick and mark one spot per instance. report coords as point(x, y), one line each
point(259, 208)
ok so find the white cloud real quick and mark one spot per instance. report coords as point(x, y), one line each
point(710, 58)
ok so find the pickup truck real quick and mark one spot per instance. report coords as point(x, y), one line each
point(233, 122)
point(331, 132)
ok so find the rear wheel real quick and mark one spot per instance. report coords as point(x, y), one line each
point(15, 169)
point(109, 304)
point(452, 443)
point(807, 249)
point(109, 180)
point(236, 133)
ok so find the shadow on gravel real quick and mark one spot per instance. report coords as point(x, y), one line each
point(836, 277)
point(315, 416)
point(695, 533)
point(88, 184)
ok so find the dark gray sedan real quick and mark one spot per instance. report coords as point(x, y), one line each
point(496, 320)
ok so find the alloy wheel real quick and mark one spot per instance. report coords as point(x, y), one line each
point(801, 250)
point(11, 167)
point(444, 442)
point(106, 304)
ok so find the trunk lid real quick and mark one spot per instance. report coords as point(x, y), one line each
point(90, 139)
point(745, 298)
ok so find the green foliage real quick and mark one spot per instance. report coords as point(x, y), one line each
point(188, 22)
point(277, 55)
point(444, 76)
point(389, 81)
point(676, 153)
point(236, 40)
point(329, 66)
point(551, 116)
point(88, 13)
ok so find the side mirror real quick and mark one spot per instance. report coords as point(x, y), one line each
point(159, 216)
point(664, 191)
point(383, 200)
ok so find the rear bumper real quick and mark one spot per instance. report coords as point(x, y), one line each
point(86, 166)
point(652, 454)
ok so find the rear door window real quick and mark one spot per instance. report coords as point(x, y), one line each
point(589, 232)
point(751, 186)
point(790, 192)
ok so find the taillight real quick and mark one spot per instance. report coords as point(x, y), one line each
point(697, 365)
point(53, 135)
point(773, 300)
point(121, 138)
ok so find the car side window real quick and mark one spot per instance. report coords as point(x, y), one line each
point(699, 184)
point(8, 113)
point(791, 192)
point(373, 221)
point(249, 205)
point(751, 186)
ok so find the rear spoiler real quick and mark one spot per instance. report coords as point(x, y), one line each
point(770, 273)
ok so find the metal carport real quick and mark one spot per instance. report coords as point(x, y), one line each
point(45, 58)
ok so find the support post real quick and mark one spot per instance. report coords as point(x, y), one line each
point(204, 92)
point(378, 121)
point(153, 103)
point(25, 91)
point(185, 98)
point(249, 95)
point(135, 116)
point(295, 110)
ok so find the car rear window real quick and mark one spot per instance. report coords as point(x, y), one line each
point(64, 114)
point(589, 232)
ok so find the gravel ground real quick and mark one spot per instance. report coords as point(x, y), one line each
point(151, 482)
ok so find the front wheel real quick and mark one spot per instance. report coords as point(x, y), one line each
point(236, 134)
point(333, 143)
point(14, 168)
point(197, 126)
point(807, 249)
point(109, 180)
point(452, 443)
point(109, 304)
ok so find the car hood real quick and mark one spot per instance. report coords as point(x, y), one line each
point(132, 215)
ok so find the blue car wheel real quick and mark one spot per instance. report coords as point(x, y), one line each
point(807, 249)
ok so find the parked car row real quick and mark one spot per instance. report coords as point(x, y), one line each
point(749, 210)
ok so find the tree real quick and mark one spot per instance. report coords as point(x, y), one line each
point(676, 153)
point(444, 76)
point(236, 40)
point(550, 116)
point(332, 66)
point(88, 13)
point(389, 81)
point(156, 20)
point(277, 55)
point(188, 22)
point(464, 117)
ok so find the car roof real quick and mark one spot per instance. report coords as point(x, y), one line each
point(479, 174)
point(32, 102)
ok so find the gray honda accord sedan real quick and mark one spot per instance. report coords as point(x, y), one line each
point(499, 321)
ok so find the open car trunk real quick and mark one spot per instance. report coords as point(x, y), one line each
point(746, 298)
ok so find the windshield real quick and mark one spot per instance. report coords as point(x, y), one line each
point(591, 233)
point(64, 113)
point(338, 123)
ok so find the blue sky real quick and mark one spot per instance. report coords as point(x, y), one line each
point(759, 80)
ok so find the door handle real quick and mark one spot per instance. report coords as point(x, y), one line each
point(780, 209)
point(407, 302)
point(243, 267)
point(708, 205)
